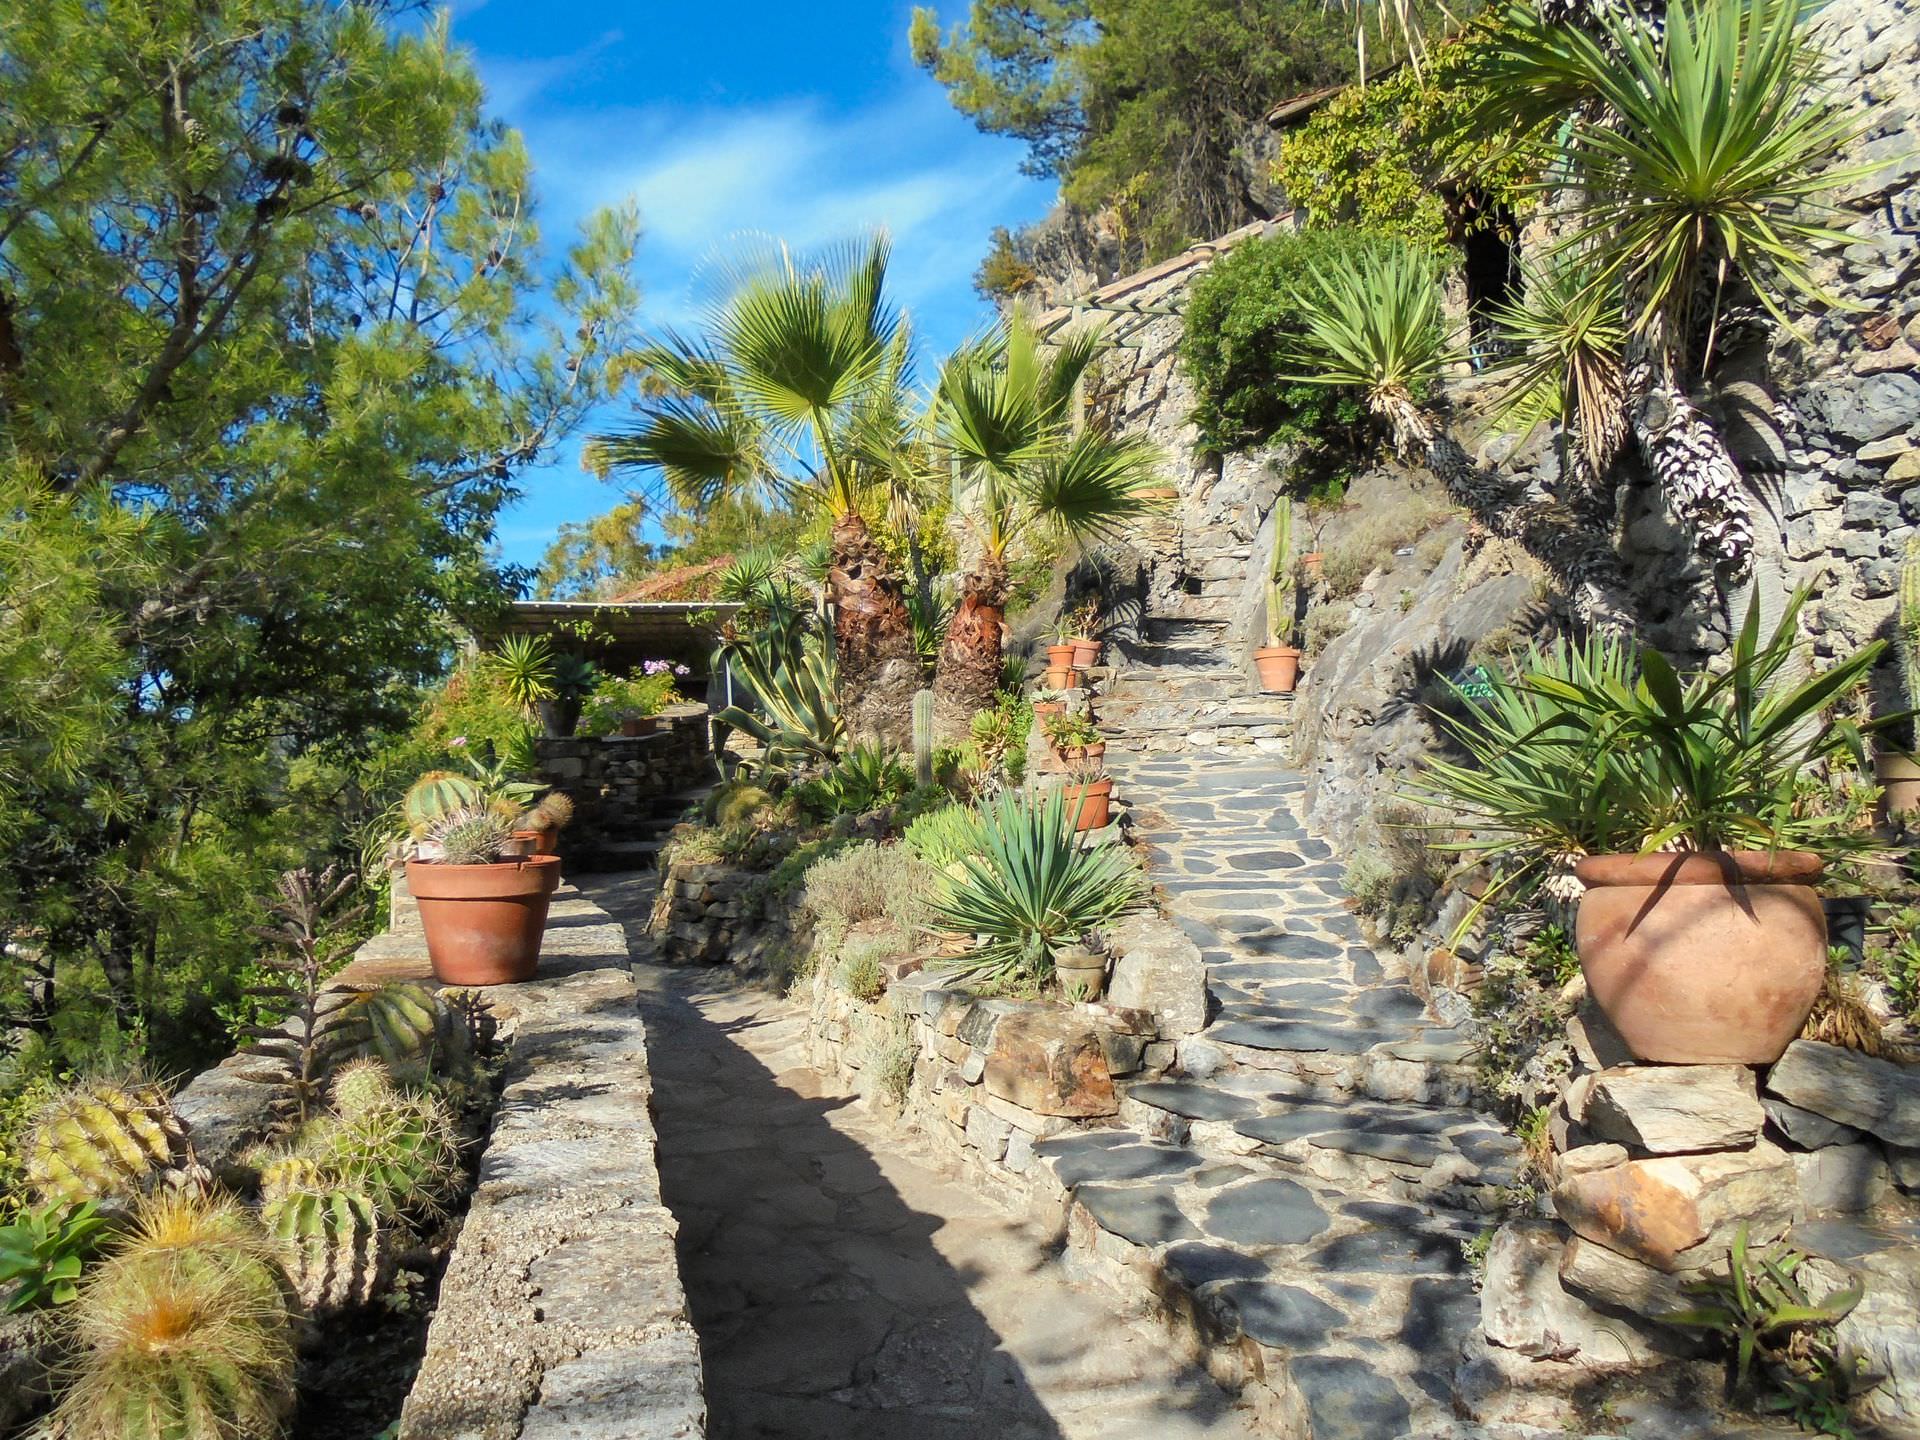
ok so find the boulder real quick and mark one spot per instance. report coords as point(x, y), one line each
point(1676, 1109)
point(1679, 1212)
point(1859, 1090)
point(1584, 1158)
point(1884, 1328)
point(1524, 1307)
point(1158, 968)
point(1610, 1278)
point(1843, 1179)
point(1050, 1062)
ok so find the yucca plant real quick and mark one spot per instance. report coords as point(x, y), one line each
point(1597, 750)
point(1004, 416)
point(1030, 889)
point(523, 666)
point(1563, 359)
point(1374, 322)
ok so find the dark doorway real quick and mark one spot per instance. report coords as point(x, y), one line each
point(1492, 265)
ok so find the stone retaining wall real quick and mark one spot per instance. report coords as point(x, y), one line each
point(702, 909)
point(618, 784)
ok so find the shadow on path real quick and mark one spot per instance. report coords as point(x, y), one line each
point(843, 1288)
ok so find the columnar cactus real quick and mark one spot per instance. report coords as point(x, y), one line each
point(1280, 582)
point(434, 796)
point(923, 737)
point(1906, 627)
point(554, 812)
point(99, 1141)
point(336, 1251)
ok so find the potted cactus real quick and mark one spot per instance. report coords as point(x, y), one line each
point(1895, 769)
point(1278, 661)
point(484, 909)
point(541, 825)
point(1086, 649)
point(1089, 795)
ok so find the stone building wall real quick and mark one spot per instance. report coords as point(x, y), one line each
point(620, 784)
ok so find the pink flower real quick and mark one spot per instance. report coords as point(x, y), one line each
point(456, 742)
point(655, 667)
point(681, 670)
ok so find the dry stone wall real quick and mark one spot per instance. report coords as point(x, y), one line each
point(621, 786)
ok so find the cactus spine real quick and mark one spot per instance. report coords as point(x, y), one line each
point(1280, 586)
point(473, 837)
point(361, 1086)
point(554, 812)
point(923, 738)
point(335, 1250)
point(183, 1333)
point(403, 1156)
point(437, 794)
point(99, 1141)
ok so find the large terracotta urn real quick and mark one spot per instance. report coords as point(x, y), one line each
point(484, 923)
point(1704, 958)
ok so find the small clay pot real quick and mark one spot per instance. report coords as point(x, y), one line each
point(1048, 707)
point(539, 842)
point(1090, 804)
point(1081, 973)
point(1059, 679)
point(1060, 657)
point(1096, 750)
point(1279, 667)
point(1085, 652)
point(1706, 958)
point(1898, 776)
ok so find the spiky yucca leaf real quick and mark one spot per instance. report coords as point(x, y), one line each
point(1565, 357)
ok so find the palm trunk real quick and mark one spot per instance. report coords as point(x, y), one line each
point(1688, 459)
point(1577, 556)
point(872, 637)
point(967, 676)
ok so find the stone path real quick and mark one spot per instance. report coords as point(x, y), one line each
point(1311, 1174)
point(844, 1284)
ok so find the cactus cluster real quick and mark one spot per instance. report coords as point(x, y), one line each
point(335, 1248)
point(102, 1140)
point(554, 811)
point(434, 796)
point(185, 1332)
point(475, 836)
point(360, 1086)
point(403, 1156)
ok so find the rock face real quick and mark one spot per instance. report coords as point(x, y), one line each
point(1884, 1328)
point(1675, 1109)
point(1680, 1212)
point(1612, 1279)
point(1157, 968)
point(1858, 1090)
point(1524, 1306)
point(1050, 1063)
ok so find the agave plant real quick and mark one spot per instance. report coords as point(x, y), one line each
point(1374, 322)
point(1031, 889)
point(788, 663)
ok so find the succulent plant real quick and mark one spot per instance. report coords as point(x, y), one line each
point(360, 1086)
point(307, 939)
point(183, 1333)
point(923, 738)
point(411, 1031)
point(435, 795)
point(100, 1140)
point(336, 1251)
point(1906, 624)
point(403, 1156)
point(475, 836)
point(553, 812)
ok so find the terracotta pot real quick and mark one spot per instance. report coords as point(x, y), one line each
point(1059, 680)
point(1060, 657)
point(484, 922)
point(1703, 959)
point(1074, 752)
point(1311, 561)
point(1048, 707)
point(1279, 667)
point(1898, 776)
point(544, 842)
point(1096, 750)
point(1090, 804)
point(1081, 973)
point(522, 844)
point(1085, 652)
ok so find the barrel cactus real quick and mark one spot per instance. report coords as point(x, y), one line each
point(360, 1086)
point(403, 1156)
point(336, 1251)
point(478, 836)
point(185, 1332)
point(415, 1034)
point(435, 795)
point(102, 1140)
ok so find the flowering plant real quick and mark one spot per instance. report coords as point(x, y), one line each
point(631, 697)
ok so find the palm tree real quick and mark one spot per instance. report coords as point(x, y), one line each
point(1374, 322)
point(788, 393)
point(1003, 414)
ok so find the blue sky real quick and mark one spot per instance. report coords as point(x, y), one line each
point(805, 121)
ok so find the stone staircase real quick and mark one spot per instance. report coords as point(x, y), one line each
point(1176, 690)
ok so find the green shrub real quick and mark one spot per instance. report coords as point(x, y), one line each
point(1322, 625)
point(1369, 544)
point(864, 779)
point(1240, 320)
point(862, 977)
point(616, 698)
point(866, 882)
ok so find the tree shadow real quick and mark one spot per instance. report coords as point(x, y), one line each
point(823, 1305)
